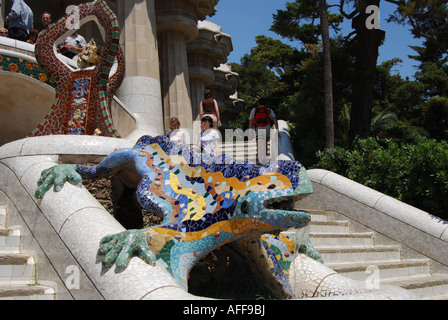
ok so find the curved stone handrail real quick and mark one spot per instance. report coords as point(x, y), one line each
point(285, 150)
point(77, 220)
point(401, 222)
point(25, 48)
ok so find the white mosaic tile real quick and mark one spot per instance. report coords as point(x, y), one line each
point(82, 233)
point(56, 207)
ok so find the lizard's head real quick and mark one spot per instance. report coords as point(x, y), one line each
point(272, 197)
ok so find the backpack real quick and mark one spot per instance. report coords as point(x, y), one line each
point(262, 116)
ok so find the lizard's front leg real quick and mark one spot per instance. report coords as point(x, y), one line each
point(118, 248)
point(59, 174)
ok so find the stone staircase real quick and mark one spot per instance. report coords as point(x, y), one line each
point(242, 150)
point(360, 256)
point(17, 269)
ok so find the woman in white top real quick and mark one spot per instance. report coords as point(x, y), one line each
point(208, 141)
point(176, 135)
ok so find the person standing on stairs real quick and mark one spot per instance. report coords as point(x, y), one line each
point(209, 107)
point(260, 120)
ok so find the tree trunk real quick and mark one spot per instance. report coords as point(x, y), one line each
point(328, 79)
point(367, 43)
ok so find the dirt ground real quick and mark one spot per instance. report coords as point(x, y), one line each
point(101, 189)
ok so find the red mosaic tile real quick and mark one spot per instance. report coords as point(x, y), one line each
point(83, 97)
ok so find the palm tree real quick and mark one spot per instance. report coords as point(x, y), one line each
point(328, 80)
point(385, 123)
point(383, 120)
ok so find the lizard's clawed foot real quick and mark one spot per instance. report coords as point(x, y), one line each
point(118, 249)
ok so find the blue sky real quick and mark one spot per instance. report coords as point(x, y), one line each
point(245, 19)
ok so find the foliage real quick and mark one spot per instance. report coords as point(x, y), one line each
point(435, 117)
point(427, 19)
point(256, 81)
point(413, 173)
point(297, 22)
point(406, 113)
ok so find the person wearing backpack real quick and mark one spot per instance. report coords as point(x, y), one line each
point(260, 120)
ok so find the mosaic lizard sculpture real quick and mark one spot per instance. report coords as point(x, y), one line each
point(204, 206)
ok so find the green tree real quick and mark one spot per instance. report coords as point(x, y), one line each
point(426, 96)
point(297, 22)
point(427, 19)
point(396, 105)
point(256, 79)
point(328, 77)
point(366, 43)
point(415, 173)
point(435, 117)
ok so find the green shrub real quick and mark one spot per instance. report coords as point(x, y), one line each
point(413, 173)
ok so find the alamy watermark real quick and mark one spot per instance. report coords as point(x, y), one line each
point(373, 280)
point(235, 148)
point(72, 280)
point(72, 21)
point(373, 20)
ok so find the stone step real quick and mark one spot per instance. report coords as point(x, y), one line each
point(16, 268)
point(239, 144)
point(2, 216)
point(433, 287)
point(386, 270)
point(234, 147)
point(18, 271)
point(242, 150)
point(14, 259)
point(316, 215)
point(10, 240)
point(355, 256)
point(344, 254)
point(329, 227)
point(26, 292)
point(342, 239)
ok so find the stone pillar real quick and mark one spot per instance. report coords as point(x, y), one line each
point(175, 79)
point(226, 82)
point(2, 13)
point(210, 49)
point(197, 94)
point(140, 91)
point(176, 26)
point(201, 75)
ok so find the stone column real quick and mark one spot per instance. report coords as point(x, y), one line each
point(201, 75)
point(140, 91)
point(226, 82)
point(176, 26)
point(175, 79)
point(197, 94)
point(2, 13)
point(210, 49)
